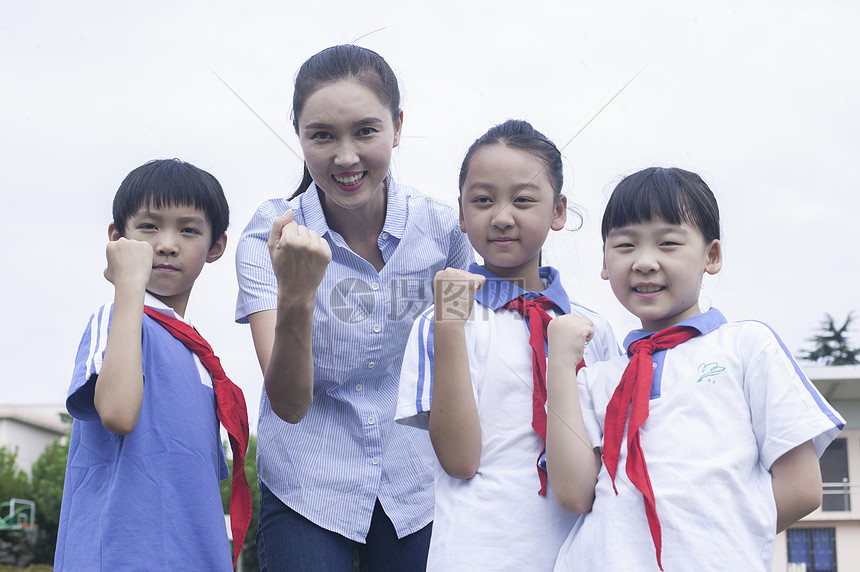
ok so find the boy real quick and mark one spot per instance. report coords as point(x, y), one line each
point(145, 459)
point(728, 424)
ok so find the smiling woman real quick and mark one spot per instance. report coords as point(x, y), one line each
point(347, 136)
point(330, 282)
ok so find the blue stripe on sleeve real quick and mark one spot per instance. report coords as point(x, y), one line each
point(816, 395)
point(430, 356)
point(422, 357)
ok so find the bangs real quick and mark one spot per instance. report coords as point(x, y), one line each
point(174, 189)
point(673, 195)
point(167, 183)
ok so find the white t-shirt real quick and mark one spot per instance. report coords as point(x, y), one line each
point(495, 520)
point(724, 406)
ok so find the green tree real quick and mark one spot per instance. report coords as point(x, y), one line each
point(248, 557)
point(46, 483)
point(831, 345)
point(15, 545)
point(13, 481)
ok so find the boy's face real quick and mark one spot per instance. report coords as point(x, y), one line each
point(655, 270)
point(181, 240)
point(507, 207)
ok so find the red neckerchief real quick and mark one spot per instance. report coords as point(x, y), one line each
point(535, 312)
point(633, 394)
point(233, 415)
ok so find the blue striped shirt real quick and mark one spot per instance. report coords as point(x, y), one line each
point(347, 452)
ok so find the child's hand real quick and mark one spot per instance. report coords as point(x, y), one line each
point(129, 263)
point(567, 336)
point(299, 256)
point(454, 293)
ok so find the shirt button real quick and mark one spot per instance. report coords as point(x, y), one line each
point(375, 460)
point(371, 365)
point(358, 387)
point(654, 366)
point(376, 328)
point(375, 286)
point(383, 235)
point(371, 420)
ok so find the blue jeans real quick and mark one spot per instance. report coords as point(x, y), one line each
point(287, 541)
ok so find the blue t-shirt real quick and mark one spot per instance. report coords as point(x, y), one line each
point(149, 500)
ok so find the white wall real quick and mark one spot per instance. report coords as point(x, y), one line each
point(29, 440)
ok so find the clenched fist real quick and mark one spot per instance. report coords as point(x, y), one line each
point(129, 262)
point(299, 256)
point(454, 293)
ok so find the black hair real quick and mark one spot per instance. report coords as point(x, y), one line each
point(336, 63)
point(673, 194)
point(171, 182)
point(521, 135)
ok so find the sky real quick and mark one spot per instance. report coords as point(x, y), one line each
point(759, 98)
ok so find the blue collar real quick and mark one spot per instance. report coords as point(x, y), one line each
point(705, 323)
point(497, 291)
point(395, 210)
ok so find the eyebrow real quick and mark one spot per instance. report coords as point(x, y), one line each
point(483, 186)
point(665, 229)
point(157, 216)
point(322, 125)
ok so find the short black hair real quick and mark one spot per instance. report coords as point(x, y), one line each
point(171, 182)
point(673, 194)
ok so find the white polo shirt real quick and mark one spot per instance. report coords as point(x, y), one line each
point(496, 516)
point(724, 406)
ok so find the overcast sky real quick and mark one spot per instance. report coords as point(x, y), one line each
point(759, 98)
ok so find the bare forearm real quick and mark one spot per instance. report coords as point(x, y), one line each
point(797, 486)
point(455, 429)
point(572, 465)
point(288, 368)
point(283, 337)
point(119, 386)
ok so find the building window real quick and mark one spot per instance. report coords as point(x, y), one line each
point(834, 470)
point(815, 547)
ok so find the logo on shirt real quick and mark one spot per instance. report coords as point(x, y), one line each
point(708, 371)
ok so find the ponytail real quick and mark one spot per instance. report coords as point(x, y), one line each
point(305, 184)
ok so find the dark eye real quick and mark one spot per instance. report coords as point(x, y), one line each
point(321, 135)
point(669, 243)
point(365, 131)
point(523, 200)
point(482, 200)
point(147, 226)
point(191, 230)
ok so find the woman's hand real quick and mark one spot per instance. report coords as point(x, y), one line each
point(299, 257)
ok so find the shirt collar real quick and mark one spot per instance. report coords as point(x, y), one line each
point(705, 323)
point(154, 303)
point(497, 291)
point(395, 210)
point(312, 211)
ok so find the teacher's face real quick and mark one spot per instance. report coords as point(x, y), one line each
point(347, 136)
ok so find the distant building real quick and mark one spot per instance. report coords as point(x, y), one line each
point(31, 428)
point(828, 540)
